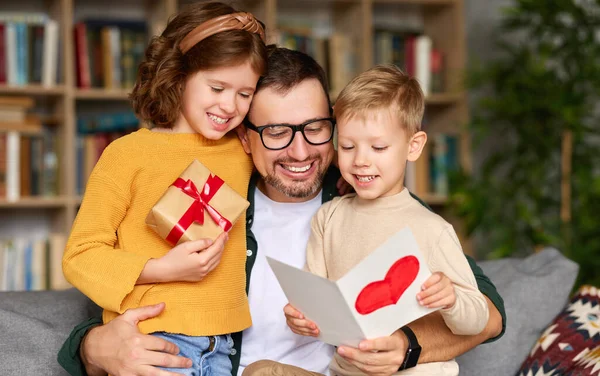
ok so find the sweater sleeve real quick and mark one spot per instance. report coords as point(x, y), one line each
point(470, 313)
point(68, 355)
point(315, 250)
point(93, 260)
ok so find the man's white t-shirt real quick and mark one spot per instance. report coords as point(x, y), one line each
point(282, 231)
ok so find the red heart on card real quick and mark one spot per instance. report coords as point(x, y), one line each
point(388, 291)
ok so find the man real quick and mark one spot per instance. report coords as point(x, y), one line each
point(293, 179)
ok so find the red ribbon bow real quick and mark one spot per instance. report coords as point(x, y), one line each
point(195, 213)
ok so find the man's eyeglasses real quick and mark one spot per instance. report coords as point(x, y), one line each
point(280, 136)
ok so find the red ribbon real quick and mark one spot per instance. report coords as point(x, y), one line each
point(195, 213)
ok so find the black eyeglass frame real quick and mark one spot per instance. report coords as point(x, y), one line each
point(294, 128)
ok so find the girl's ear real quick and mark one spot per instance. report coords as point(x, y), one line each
point(415, 145)
point(242, 133)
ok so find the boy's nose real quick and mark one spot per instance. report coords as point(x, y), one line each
point(361, 160)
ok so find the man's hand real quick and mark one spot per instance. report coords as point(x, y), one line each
point(378, 357)
point(343, 186)
point(187, 262)
point(298, 323)
point(120, 349)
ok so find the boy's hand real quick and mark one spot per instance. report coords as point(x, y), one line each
point(298, 323)
point(438, 291)
point(187, 262)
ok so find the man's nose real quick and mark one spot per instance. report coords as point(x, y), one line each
point(298, 149)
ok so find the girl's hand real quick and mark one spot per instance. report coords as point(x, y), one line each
point(187, 262)
point(438, 291)
point(298, 323)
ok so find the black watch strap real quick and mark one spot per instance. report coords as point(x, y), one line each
point(411, 358)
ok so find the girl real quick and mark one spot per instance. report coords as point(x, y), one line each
point(195, 85)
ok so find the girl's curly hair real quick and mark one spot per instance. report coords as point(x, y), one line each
point(156, 96)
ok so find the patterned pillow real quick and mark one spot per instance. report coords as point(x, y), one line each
point(570, 346)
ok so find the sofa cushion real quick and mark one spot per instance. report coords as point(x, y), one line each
point(33, 327)
point(571, 344)
point(535, 290)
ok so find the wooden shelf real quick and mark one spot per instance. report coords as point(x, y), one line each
point(36, 202)
point(102, 94)
point(415, 2)
point(433, 199)
point(35, 90)
point(442, 20)
point(444, 99)
point(321, 2)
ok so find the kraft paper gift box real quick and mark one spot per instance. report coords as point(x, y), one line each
point(197, 205)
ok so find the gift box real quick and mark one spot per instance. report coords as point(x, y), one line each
point(197, 205)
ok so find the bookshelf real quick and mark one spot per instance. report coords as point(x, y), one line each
point(357, 20)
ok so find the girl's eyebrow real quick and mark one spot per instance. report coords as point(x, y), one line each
point(225, 84)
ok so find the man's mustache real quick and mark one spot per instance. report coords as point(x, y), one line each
point(313, 157)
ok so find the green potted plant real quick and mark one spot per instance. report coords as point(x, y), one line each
point(539, 101)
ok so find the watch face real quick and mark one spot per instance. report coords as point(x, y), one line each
point(412, 357)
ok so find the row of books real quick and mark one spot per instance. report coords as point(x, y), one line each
point(28, 164)
point(30, 153)
point(32, 264)
point(107, 52)
point(29, 49)
point(337, 53)
point(430, 174)
point(14, 114)
point(415, 54)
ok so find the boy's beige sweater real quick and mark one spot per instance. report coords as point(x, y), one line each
point(346, 229)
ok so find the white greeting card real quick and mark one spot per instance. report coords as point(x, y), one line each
point(374, 299)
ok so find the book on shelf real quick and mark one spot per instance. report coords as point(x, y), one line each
point(32, 264)
point(430, 174)
point(28, 164)
point(14, 109)
point(108, 52)
point(94, 133)
point(414, 53)
point(336, 53)
point(29, 51)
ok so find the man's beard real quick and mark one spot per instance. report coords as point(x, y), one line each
point(299, 188)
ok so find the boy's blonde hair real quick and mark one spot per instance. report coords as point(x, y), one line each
point(382, 87)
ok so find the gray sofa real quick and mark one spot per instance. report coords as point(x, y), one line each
point(33, 325)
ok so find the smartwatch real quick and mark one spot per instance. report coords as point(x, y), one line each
point(412, 352)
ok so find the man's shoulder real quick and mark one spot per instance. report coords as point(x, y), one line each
point(332, 176)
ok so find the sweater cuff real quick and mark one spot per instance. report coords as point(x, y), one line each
point(68, 355)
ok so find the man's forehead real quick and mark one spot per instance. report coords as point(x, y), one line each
point(301, 103)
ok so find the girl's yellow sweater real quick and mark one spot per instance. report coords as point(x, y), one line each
point(110, 242)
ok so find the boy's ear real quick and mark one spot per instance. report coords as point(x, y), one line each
point(415, 145)
point(242, 133)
